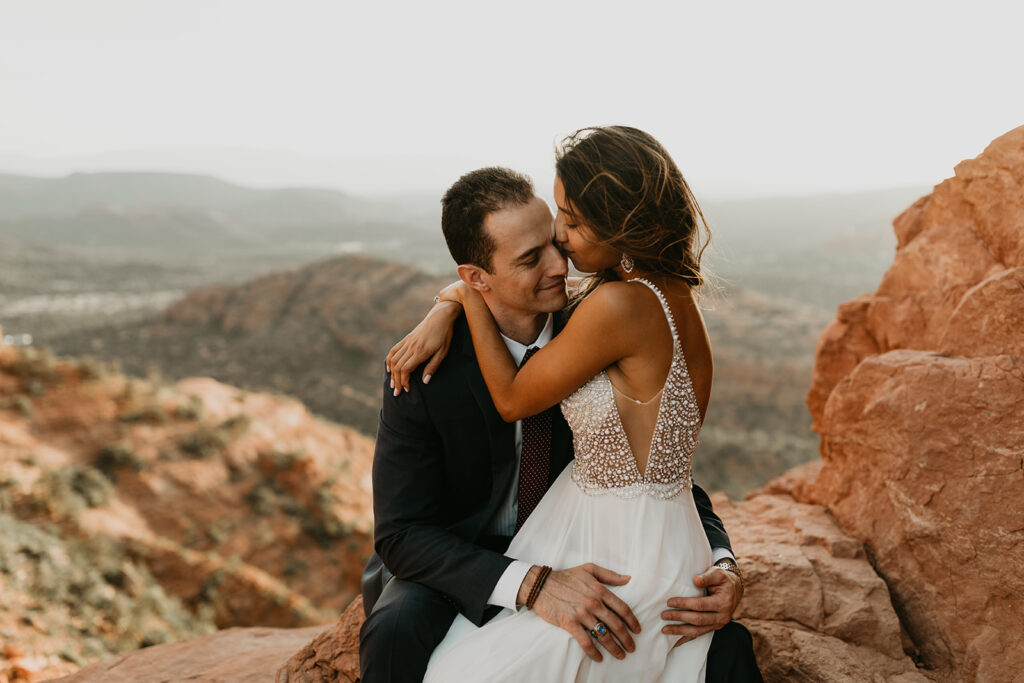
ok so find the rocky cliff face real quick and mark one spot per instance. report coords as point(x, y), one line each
point(919, 398)
point(139, 512)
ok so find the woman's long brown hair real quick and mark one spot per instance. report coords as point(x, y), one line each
point(627, 189)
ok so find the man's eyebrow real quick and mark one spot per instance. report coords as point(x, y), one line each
point(528, 254)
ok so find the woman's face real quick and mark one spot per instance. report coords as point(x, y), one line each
point(578, 240)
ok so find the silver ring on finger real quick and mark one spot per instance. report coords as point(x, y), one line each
point(599, 630)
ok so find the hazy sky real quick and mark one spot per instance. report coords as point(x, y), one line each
point(751, 98)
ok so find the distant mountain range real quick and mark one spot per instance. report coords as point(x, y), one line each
point(178, 211)
point(778, 245)
point(23, 195)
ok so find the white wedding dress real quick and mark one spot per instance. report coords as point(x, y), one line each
point(603, 510)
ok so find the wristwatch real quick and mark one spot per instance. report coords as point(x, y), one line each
point(730, 566)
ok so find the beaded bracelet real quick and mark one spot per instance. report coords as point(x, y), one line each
point(537, 585)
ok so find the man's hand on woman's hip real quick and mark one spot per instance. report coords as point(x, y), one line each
point(577, 600)
point(703, 614)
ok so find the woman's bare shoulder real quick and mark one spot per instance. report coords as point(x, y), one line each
point(614, 294)
point(623, 301)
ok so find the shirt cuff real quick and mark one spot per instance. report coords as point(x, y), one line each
point(507, 589)
point(718, 554)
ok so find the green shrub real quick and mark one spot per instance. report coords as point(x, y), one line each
point(151, 413)
point(263, 498)
point(73, 487)
point(204, 443)
point(236, 425)
point(321, 523)
point(91, 485)
point(116, 457)
point(90, 369)
point(192, 410)
point(23, 404)
point(282, 461)
point(37, 364)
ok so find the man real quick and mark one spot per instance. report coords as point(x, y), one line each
point(452, 481)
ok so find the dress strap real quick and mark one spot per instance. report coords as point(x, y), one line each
point(664, 306)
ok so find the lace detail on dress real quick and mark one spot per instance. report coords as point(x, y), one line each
point(604, 460)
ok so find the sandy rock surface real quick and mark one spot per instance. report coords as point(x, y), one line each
point(234, 654)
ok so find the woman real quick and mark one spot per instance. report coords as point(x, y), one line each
point(632, 370)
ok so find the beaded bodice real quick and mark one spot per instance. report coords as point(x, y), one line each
point(605, 462)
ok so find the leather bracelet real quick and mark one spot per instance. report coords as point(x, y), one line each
point(537, 585)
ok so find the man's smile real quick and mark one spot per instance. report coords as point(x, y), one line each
point(560, 284)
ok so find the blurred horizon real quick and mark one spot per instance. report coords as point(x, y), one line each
point(793, 99)
point(261, 169)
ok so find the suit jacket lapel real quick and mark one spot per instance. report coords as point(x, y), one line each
point(501, 434)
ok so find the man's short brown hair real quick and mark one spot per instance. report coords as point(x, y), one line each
point(466, 204)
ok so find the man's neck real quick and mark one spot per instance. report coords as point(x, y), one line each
point(518, 326)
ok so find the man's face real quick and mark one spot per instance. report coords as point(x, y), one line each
point(527, 269)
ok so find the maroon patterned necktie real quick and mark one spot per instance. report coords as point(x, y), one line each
point(536, 458)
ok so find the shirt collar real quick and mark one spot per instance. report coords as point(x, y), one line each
point(518, 350)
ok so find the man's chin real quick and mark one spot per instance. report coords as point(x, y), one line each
point(555, 301)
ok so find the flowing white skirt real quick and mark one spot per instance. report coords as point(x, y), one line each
point(659, 543)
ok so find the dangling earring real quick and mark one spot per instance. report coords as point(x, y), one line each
point(626, 263)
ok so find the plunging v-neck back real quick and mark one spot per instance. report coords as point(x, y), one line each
point(605, 459)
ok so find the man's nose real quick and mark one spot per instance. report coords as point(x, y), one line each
point(559, 265)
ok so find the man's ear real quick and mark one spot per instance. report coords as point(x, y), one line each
point(474, 276)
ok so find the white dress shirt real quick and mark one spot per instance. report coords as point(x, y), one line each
point(504, 521)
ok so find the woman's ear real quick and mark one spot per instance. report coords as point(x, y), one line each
point(474, 276)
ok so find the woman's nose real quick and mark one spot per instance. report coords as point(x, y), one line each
point(560, 233)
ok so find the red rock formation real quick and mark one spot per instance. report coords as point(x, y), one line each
point(918, 396)
point(241, 507)
point(814, 604)
point(234, 654)
point(331, 657)
point(956, 284)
